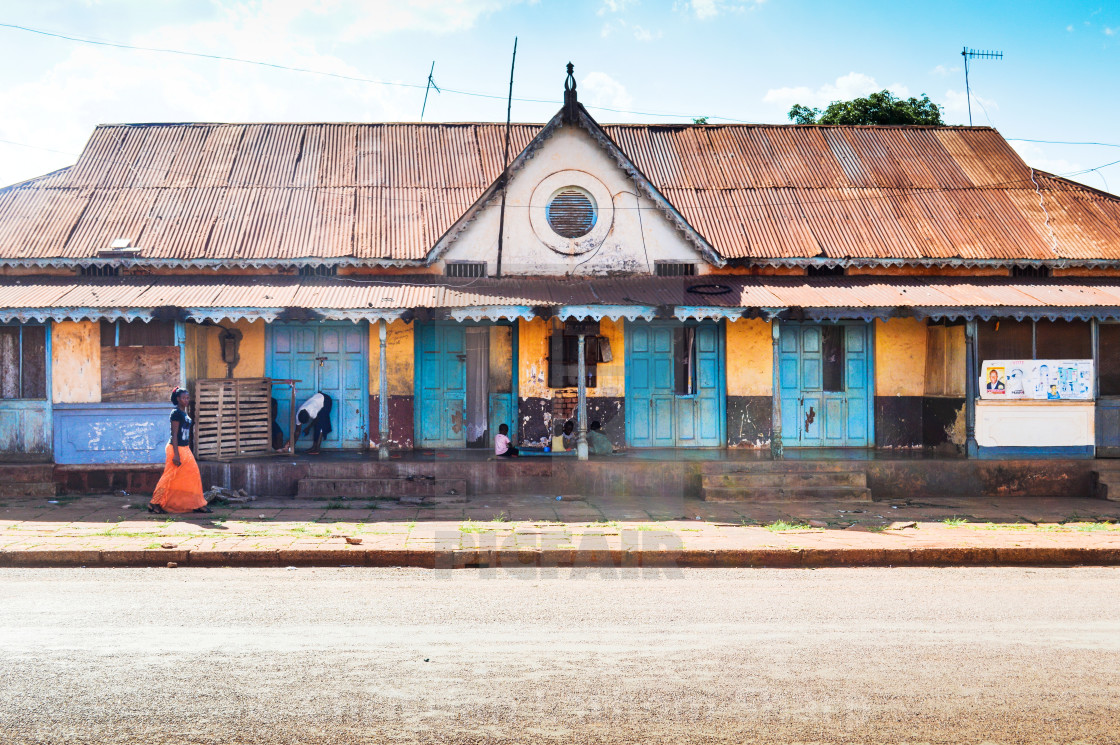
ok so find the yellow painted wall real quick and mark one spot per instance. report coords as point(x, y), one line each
point(900, 357)
point(612, 375)
point(399, 352)
point(532, 378)
point(750, 363)
point(251, 351)
point(76, 362)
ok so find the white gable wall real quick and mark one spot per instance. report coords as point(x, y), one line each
point(625, 240)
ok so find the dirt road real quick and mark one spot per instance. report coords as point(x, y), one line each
point(350, 655)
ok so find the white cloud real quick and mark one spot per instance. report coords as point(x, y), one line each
point(641, 33)
point(944, 71)
point(1038, 158)
point(615, 6)
point(705, 9)
point(955, 102)
point(1111, 31)
point(1069, 28)
point(852, 85)
point(600, 89)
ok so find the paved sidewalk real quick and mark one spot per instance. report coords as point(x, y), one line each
point(539, 530)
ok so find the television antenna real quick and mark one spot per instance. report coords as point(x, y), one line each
point(974, 54)
point(431, 84)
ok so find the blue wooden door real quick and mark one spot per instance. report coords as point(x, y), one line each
point(442, 385)
point(674, 385)
point(825, 377)
point(328, 357)
point(442, 417)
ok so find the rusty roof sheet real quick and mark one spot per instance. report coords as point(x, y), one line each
point(24, 298)
point(258, 193)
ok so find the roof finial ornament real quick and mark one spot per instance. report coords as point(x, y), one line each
point(570, 102)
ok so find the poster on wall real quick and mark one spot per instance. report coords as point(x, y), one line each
point(1038, 380)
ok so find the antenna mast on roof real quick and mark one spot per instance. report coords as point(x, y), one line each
point(974, 54)
point(431, 84)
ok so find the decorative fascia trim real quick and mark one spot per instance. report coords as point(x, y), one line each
point(492, 313)
point(613, 312)
point(700, 312)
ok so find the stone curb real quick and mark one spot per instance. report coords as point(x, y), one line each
point(807, 558)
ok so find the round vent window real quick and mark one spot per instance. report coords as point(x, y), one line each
point(571, 213)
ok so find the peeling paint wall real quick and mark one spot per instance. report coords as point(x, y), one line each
point(750, 358)
point(75, 362)
point(635, 239)
point(399, 354)
point(532, 344)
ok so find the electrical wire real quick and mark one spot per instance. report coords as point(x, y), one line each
point(339, 76)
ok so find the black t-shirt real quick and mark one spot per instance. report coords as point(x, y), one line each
point(185, 423)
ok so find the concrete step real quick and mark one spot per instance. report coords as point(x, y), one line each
point(1107, 485)
point(330, 488)
point(788, 494)
point(28, 489)
point(26, 472)
point(764, 479)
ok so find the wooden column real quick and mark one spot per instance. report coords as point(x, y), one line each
point(972, 450)
point(581, 440)
point(776, 393)
point(382, 393)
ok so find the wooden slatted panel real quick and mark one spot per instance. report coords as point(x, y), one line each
point(233, 417)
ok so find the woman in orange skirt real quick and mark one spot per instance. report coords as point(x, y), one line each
point(180, 487)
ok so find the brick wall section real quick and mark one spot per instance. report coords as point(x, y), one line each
point(565, 401)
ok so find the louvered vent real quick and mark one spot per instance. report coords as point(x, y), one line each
point(571, 214)
point(318, 270)
point(674, 269)
point(99, 270)
point(465, 269)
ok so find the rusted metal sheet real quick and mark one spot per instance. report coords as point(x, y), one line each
point(368, 192)
point(355, 299)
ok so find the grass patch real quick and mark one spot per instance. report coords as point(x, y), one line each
point(1094, 527)
point(470, 526)
point(501, 517)
point(955, 522)
point(781, 525)
point(336, 504)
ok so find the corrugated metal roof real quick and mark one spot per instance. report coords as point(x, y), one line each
point(369, 192)
point(274, 297)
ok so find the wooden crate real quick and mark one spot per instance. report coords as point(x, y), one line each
point(233, 417)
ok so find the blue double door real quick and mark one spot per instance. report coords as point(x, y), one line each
point(328, 357)
point(465, 384)
point(675, 384)
point(825, 372)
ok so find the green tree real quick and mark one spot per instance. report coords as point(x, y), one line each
point(877, 108)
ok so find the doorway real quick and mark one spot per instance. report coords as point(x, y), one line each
point(674, 384)
point(328, 357)
point(465, 384)
point(825, 371)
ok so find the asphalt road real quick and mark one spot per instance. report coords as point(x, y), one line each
point(353, 655)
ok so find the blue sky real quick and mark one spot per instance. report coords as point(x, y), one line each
point(744, 60)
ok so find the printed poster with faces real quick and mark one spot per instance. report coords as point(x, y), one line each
point(1039, 380)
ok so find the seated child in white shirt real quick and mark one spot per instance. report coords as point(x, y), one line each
point(502, 448)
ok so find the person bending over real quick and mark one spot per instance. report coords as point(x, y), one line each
point(314, 418)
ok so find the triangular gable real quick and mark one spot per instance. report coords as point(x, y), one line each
point(578, 116)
